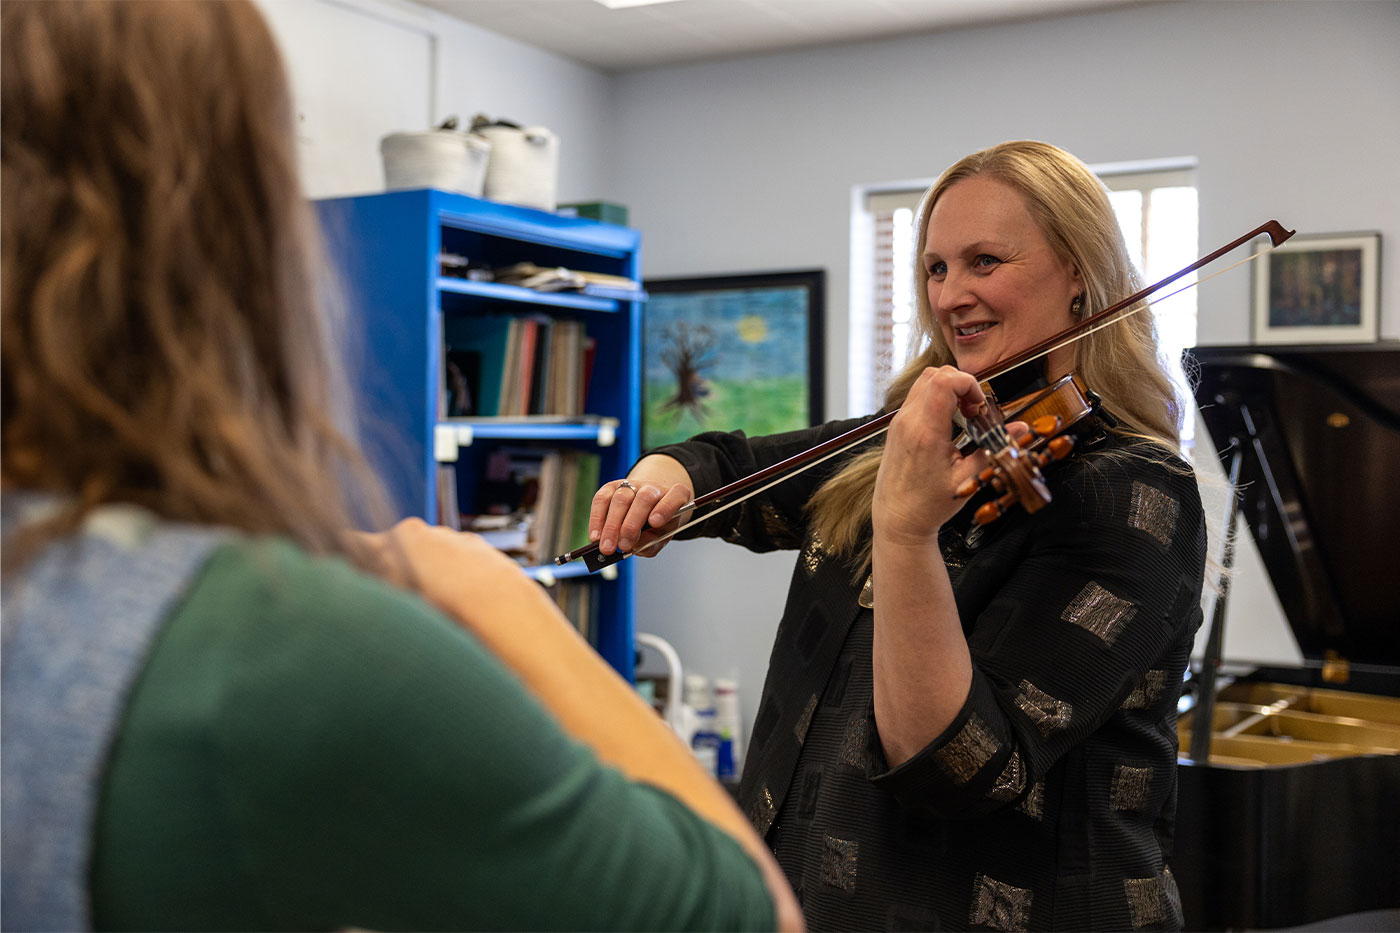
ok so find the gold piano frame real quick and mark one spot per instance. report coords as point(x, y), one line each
point(1261, 724)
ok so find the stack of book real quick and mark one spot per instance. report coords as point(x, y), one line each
point(515, 366)
point(533, 503)
point(560, 279)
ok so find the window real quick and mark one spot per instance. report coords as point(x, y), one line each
point(885, 292)
point(1157, 210)
point(1156, 207)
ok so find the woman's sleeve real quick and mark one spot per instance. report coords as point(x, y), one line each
point(367, 764)
point(772, 520)
point(1110, 583)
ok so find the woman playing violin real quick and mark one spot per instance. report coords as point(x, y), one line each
point(973, 726)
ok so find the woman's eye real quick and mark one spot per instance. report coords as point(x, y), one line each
point(937, 269)
point(985, 262)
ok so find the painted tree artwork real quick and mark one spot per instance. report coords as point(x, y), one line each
point(731, 353)
point(688, 350)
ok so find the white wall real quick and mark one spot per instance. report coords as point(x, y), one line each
point(364, 68)
point(1290, 108)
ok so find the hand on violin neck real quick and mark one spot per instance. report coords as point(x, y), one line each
point(921, 468)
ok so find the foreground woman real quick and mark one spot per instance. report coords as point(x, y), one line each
point(222, 710)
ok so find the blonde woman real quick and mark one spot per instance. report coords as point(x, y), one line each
point(969, 727)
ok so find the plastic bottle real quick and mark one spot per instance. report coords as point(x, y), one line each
point(694, 697)
point(731, 746)
point(706, 743)
point(698, 719)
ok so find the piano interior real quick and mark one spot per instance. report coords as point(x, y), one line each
point(1255, 725)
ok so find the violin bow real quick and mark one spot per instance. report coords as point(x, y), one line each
point(728, 496)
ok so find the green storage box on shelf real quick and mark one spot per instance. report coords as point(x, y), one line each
point(597, 210)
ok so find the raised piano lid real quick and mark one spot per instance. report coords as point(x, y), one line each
point(1320, 430)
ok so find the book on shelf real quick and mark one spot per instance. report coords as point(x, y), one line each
point(578, 480)
point(590, 352)
point(563, 394)
point(510, 369)
point(448, 513)
point(561, 279)
point(519, 376)
point(616, 293)
point(548, 501)
point(588, 466)
point(539, 381)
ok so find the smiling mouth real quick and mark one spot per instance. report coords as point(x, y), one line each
point(972, 330)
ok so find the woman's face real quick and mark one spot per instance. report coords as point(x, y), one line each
point(994, 284)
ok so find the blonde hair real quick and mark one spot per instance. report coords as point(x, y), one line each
point(1121, 363)
point(165, 337)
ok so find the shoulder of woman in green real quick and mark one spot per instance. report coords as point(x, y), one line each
point(309, 747)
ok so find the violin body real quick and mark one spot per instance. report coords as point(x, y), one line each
point(1015, 473)
point(1068, 398)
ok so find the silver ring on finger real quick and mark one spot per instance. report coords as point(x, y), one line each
point(626, 485)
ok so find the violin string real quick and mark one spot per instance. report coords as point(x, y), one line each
point(840, 450)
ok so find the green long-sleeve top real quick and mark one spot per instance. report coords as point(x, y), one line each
point(308, 748)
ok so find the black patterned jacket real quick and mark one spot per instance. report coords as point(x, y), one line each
point(1048, 803)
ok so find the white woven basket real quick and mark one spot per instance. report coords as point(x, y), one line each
point(445, 159)
point(524, 165)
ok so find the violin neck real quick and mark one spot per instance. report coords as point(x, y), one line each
point(987, 428)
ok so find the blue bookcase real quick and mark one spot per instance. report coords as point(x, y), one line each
point(387, 248)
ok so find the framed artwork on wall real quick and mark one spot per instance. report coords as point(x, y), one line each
point(732, 352)
point(1319, 289)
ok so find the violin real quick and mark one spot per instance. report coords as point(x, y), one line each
point(1015, 474)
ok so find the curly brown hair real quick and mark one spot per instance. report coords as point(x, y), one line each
point(166, 334)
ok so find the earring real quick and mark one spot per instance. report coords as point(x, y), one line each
point(1074, 308)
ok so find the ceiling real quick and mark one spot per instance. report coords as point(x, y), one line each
point(669, 33)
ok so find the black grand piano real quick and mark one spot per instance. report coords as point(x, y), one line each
point(1289, 800)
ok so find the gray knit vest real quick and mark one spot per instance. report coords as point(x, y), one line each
point(78, 621)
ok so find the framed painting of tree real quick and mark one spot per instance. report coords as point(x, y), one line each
point(732, 353)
